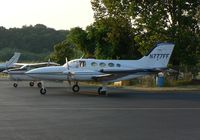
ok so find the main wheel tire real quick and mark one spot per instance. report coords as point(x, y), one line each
point(100, 92)
point(75, 88)
point(15, 85)
point(31, 84)
point(39, 84)
point(43, 91)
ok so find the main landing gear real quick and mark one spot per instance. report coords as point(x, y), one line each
point(31, 84)
point(43, 90)
point(39, 84)
point(75, 88)
point(102, 91)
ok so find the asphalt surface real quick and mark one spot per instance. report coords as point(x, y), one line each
point(123, 115)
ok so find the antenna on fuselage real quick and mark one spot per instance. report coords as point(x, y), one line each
point(82, 56)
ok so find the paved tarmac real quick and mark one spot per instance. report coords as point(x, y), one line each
point(123, 115)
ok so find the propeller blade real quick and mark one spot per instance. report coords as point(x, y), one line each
point(67, 63)
point(49, 61)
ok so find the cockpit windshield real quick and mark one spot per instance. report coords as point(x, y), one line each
point(71, 64)
point(75, 64)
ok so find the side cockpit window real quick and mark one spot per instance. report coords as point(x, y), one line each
point(82, 63)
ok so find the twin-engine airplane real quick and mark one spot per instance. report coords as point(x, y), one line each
point(105, 71)
point(18, 74)
point(10, 63)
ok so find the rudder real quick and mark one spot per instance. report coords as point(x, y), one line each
point(159, 56)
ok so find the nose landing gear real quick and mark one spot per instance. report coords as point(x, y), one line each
point(75, 87)
point(43, 91)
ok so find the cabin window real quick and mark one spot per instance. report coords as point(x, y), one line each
point(118, 65)
point(94, 64)
point(82, 63)
point(110, 64)
point(102, 64)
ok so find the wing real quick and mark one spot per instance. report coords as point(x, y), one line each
point(113, 73)
point(131, 70)
point(107, 77)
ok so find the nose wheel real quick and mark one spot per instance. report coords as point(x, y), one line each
point(76, 88)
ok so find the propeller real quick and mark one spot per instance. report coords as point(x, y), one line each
point(69, 74)
point(49, 61)
point(67, 63)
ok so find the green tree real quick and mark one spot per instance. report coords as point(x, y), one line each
point(62, 51)
point(168, 20)
point(98, 37)
point(155, 21)
point(34, 42)
point(114, 15)
point(78, 37)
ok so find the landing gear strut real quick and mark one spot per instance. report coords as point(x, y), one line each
point(39, 84)
point(43, 89)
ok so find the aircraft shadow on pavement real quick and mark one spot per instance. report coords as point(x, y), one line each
point(129, 94)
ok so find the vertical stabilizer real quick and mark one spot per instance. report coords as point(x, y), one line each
point(159, 56)
point(13, 60)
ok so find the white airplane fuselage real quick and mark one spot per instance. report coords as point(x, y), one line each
point(86, 72)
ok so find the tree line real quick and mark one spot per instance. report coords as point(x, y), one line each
point(34, 42)
point(127, 29)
